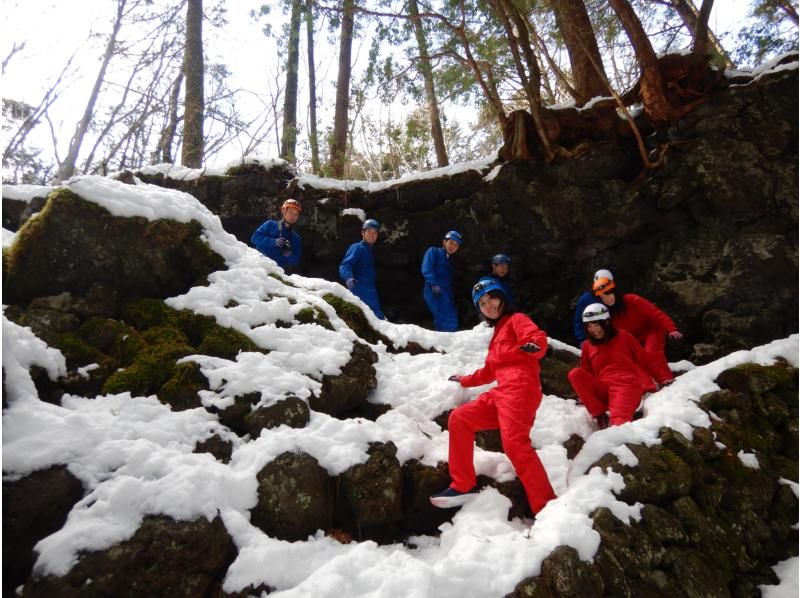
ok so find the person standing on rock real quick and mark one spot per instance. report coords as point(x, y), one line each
point(516, 347)
point(357, 269)
point(438, 290)
point(586, 299)
point(278, 240)
point(642, 319)
point(615, 370)
point(501, 272)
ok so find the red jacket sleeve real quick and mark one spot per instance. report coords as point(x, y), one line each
point(586, 363)
point(479, 377)
point(528, 332)
point(643, 359)
point(650, 312)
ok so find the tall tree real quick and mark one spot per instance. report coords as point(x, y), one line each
point(289, 132)
point(588, 76)
point(194, 105)
point(340, 119)
point(313, 139)
point(67, 167)
point(430, 89)
point(689, 15)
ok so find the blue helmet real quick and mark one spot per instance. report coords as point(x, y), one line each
point(455, 236)
point(371, 223)
point(483, 286)
point(501, 258)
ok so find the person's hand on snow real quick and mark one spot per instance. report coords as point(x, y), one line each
point(455, 379)
point(351, 282)
point(530, 348)
point(437, 290)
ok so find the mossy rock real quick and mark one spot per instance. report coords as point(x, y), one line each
point(313, 315)
point(146, 312)
point(758, 379)
point(226, 343)
point(77, 351)
point(181, 390)
point(73, 244)
point(356, 320)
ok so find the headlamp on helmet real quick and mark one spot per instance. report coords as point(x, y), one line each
point(291, 203)
point(485, 285)
point(371, 223)
point(595, 313)
point(454, 235)
point(501, 258)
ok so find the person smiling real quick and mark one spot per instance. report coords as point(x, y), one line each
point(516, 347)
point(357, 269)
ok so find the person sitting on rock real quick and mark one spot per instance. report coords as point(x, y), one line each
point(357, 269)
point(586, 299)
point(642, 319)
point(615, 371)
point(438, 290)
point(277, 239)
point(501, 271)
point(516, 347)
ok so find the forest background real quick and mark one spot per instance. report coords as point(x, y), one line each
point(356, 89)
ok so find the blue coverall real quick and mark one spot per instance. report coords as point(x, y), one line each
point(436, 271)
point(359, 264)
point(584, 301)
point(264, 240)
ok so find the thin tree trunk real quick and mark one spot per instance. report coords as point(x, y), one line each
point(573, 21)
point(67, 167)
point(167, 137)
point(689, 15)
point(192, 154)
point(430, 90)
point(289, 134)
point(701, 42)
point(313, 139)
point(339, 147)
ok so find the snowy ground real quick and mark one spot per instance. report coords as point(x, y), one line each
point(134, 455)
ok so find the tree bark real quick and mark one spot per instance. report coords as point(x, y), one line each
point(67, 167)
point(579, 38)
point(430, 89)
point(689, 15)
point(289, 134)
point(339, 146)
point(194, 109)
point(313, 139)
point(701, 43)
point(171, 127)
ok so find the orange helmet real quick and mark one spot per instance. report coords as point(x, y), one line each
point(602, 286)
point(291, 203)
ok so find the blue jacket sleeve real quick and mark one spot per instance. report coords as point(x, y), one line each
point(264, 237)
point(429, 266)
point(349, 262)
point(585, 300)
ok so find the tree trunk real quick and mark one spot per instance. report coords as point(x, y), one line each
point(430, 90)
point(689, 15)
point(289, 134)
point(171, 126)
point(339, 146)
point(573, 21)
point(67, 167)
point(313, 139)
point(192, 154)
point(654, 99)
point(700, 44)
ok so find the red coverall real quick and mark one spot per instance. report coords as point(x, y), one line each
point(648, 325)
point(613, 376)
point(510, 406)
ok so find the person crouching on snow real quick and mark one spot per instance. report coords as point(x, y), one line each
point(615, 370)
point(516, 347)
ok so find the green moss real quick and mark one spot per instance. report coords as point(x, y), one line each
point(144, 313)
point(282, 279)
point(356, 320)
point(76, 350)
point(314, 315)
point(226, 343)
point(181, 390)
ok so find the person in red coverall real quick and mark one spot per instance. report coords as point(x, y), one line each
point(643, 320)
point(516, 347)
point(615, 370)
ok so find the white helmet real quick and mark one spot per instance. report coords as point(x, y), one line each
point(595, 312)
point(603, 274)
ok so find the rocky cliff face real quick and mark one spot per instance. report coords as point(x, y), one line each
point(710, 235)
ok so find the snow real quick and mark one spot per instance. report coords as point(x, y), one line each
point(134, 454)
point(26, 193)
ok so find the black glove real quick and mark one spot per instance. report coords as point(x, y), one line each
point(282, 243)
point(529, 348)
point(455, 378)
